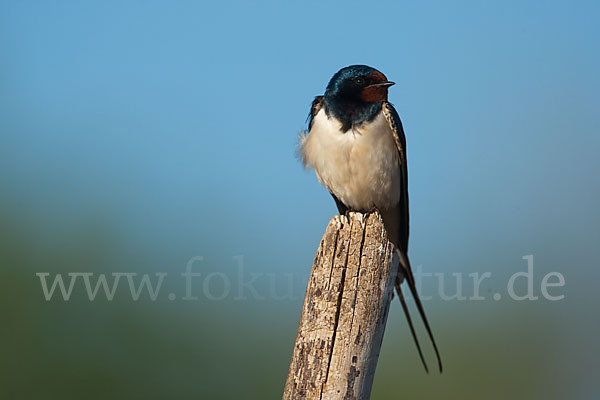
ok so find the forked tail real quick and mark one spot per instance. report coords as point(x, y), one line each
point(410, 280)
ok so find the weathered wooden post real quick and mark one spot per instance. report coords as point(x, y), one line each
point(345, 311)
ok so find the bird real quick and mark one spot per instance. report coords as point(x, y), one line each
point(356, 145)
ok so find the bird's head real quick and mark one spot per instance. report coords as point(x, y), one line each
point(358, 84)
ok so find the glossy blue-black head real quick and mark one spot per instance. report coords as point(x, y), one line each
point(358, 83)
point(354, 95)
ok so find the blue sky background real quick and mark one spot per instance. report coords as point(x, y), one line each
point(168, 130)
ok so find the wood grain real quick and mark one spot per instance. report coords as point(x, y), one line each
point(345, 311)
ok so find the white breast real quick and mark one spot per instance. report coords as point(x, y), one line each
point(360, 167)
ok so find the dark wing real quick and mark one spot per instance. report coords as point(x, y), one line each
point(395, 124)
point(393, 120)
point(316, 106)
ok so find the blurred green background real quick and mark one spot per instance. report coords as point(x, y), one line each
point(135, 136)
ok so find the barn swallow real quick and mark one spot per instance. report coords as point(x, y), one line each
point(356, 145)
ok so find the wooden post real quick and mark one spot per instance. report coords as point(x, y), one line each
point(345, 311)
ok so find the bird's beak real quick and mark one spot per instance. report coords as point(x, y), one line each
point(382, 84)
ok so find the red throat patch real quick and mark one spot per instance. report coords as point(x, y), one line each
point(375, 93)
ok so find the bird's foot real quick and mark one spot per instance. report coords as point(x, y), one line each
point(369, 212)
point(341, 220)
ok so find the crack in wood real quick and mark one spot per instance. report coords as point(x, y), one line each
point(344, 312)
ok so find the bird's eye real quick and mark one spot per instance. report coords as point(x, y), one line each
point(359, 81)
